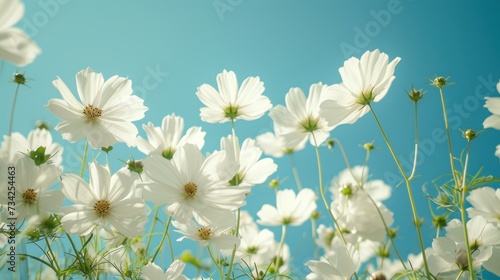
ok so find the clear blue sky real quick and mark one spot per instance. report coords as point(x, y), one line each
point(169, 48)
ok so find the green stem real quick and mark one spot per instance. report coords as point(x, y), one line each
point(216, 262)
point(415, 157)
point(416, 219)
point(162, 239)
point(52, 255)
point(450, 148)
point(77, 252)
point(84, 159)
point(463, 213)
point(155, 218)
point(295, 172)
point(280, 248)
point(13, 108)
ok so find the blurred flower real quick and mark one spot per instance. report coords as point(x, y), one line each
point(205, 233)
point(339, 264)
point(255, 246)
point(31, 187)
point(364, 81)
point(252, 170)
point(493, 105)
point(349, 181)
point(166, 140)
point(15, 46)
point(275, 145)
point(485, 202)
point(106, 111)
point(300, 119)
point(231, 103)
point(153, 272)
point(21, 146)
point(290, 209)
point(193, 185)
point(106, 199)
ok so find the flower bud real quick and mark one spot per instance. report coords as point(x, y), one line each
point(439, 81)
point(469, 134)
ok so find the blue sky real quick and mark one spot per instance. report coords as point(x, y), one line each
point(169, 48)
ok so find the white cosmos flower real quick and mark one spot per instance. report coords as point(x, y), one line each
point(340, 264)
point(493, 105)
point(205, 233)
point(165, 140)
point(252, 170)
point(255, 246)
point(21, 146)
point(193, 185)
point(106, 199)
point(300, 119)
point(485, 202)
point(275, 145)
point(15, 46)
point(349, 181)
point(231, 102)
point(153, 272)
point(105, 113)
point(31, 186)
point(363, 81)
point(290, 209)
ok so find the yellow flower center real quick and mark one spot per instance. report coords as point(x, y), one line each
point(204, 233)
point(102, 207)
point(29, 196)
point(92, 113)
point(190, 189)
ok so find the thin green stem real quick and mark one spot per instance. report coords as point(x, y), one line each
point(84, 158)
point(280, 248)
point(12, 109)
point(415, 157)
point(77, 253)
point(447, 128)
point(216, 262)
point(295, 171)
point(52, 255)
point(463, 213)
point(416, 219)
point(155, 218)
point(342, 151)
point(460, 274)
point(165, 233)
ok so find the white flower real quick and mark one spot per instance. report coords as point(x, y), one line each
point(480, 232)
point(493, 105)
point(205, 233)
point(153, 272)
point(252, 170)
point(363, 81)
point(300, 119)
point(255, 246)
point(290, 209)
point(165, 140)
point(485, 202)
point(497, 151)
point(359, 216)
point(31, 187)
point(193, 185)
point(106, 111)
point(349, 181)
point(106, 199)
point(20, 146)
point(339, 265)
point(231, 103)
point(273, 144)
point(15, 46)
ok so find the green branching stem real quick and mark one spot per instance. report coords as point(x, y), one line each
point(52, 255)
point(416, 219)
point(155, 218)
point(216, 262)
point(165, 233)
point(463, 188)
point(280, 248)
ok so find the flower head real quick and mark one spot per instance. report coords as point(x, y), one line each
point(105, 113)
point(493, 105)
point(231, 102)
point(15, 46)
point(105, 199)
point(290, 209)
point(364, 81)
point(205, 233)
point(174, 272)
point(300, 119)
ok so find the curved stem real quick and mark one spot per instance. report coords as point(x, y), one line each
point(162, 239)
point(280, 248)
point(342, 151)
point(415, 157)
point(463, 213)
point(216, 262)
point(155, 218)
point(416, 219)
point(295, 172)
point(450, 148)
point(52, 255)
